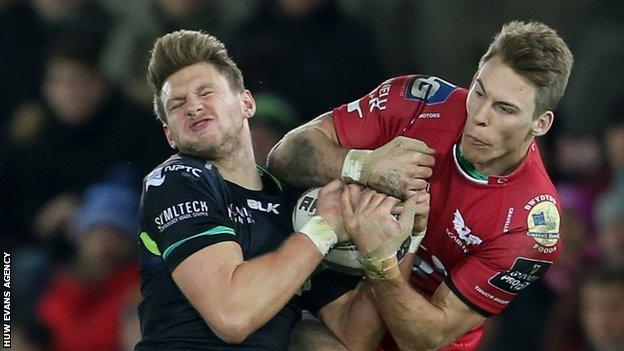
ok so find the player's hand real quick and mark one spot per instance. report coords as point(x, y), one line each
point(400, 168)
point(368, 219)
point(328, 207)
point(421, 214)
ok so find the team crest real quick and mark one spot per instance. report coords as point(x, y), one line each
point(543, 223)
point(463, 236)
point(463, 230)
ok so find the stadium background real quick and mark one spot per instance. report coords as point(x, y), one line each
point(78, 136)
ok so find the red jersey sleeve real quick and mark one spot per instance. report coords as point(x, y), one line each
point(488, 280)
point(376, 118)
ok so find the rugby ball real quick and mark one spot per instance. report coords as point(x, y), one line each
point(343, 257)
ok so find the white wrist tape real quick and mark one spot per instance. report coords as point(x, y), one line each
point(383, 269)
point(321, 233)
point(353, 166)
point(416, 240)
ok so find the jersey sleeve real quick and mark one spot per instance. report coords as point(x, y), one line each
point(376, 118)
point(490, 279)
point(184, 210)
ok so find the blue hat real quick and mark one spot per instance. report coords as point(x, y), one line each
point(108, 204)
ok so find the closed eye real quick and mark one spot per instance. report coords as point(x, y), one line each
point(176, 105)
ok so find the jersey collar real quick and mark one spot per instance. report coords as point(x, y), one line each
point(468, 171)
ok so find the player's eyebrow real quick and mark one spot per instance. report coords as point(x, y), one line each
point(203, 86)
point(504, 103)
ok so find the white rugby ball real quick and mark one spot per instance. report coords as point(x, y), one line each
point(342, 257)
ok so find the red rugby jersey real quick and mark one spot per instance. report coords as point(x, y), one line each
point(487, 239)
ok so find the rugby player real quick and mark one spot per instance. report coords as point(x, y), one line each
point(494, 214)
point(220, 267)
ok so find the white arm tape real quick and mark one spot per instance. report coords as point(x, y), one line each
point(416, 240)
point(321, 233)
point(353, 165)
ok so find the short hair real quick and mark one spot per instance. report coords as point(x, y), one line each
point(536, 52)
point(183, 48)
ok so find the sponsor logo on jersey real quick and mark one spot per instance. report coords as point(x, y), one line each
point(257, 205)
point(240, 214)
point(510, 213)
point(463, 236)
point(523, 272)
point(379, 98)
point(355, 106)
point(180, 212)
point(543, 249)
point(490, 296)
point(187, 169)
point(429, 115)
point(157, 177)
point(543, 221)
point(430, 90)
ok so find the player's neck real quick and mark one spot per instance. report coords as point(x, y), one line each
point(240, 167)
point(505, 164)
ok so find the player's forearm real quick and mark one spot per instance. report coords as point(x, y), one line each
point(354, 319)
point(406, 265)
point(261, 287)
point(307, 157)
point(413, 321)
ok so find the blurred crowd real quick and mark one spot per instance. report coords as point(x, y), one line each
point(79, 134)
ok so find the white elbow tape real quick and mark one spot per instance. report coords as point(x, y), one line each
point(353, 166)
point(321, 233)
point(416, 240)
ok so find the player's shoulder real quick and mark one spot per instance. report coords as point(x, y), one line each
point(536, 214)
point(428, 97)
point(181, 169)
point(424, 89)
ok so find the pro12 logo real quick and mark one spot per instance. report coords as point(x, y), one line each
point(523, 272)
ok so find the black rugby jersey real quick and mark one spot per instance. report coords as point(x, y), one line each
point(186, 205)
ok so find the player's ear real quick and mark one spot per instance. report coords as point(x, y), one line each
point(169, 135)
point(248, 104)
point(542, 123)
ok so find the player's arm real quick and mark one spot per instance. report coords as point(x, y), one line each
point(419, 324)
point(236, 297)
point(415, 322)
point(354, 320)
point(367, 149)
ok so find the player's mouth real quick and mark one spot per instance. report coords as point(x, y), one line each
point(476, 141)
point(200, 124)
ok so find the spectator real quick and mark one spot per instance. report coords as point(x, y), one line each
point(274, 117)
point(124, 59)
point(602, 310)
point(82, 306)
point(610, 220)
point(61, 143)
point(83, 18)
point(21, 36)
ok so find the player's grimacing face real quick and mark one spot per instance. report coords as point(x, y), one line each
point(500, 110)
point(204, 115)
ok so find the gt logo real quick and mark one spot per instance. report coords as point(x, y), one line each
point(424, 87)
point(430, 90)
point(257, 205)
